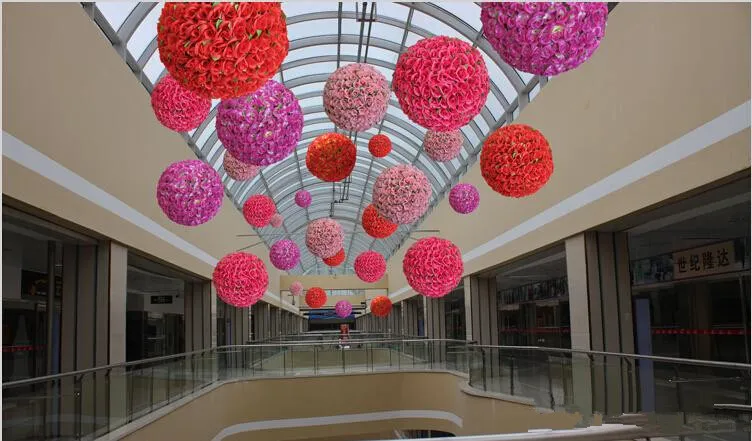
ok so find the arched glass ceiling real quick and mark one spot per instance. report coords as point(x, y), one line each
point(324, 36)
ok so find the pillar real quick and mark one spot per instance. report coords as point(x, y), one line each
point(118, 288)
point(198, 315)
point(481, 310)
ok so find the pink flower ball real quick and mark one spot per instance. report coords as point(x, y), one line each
point(324, 237)
point(284, 254)
point(442, 146)
point(441, 83)
point(370, 266)
point(258, 210)
point(401, 194)
point(343, 308)
point(178, 108)
point(433, 266)
point(296, 288)
point(544, 38)
point(303, 198)
point(356, 97)
point(190, 192)
point(464, 198)
point(239, 170)
point(240, 279)
point(276, 220)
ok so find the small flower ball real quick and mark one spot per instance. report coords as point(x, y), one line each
point(401, 194)
point(433, 266)
point(544, 38)
point(516, 161)
point(336, 260)
point(177, 108)
point(343, 309)
point(324, 237)
point(303, 198)
point(284, 254)
point(262, 128)
point(379, 145)
point(296, 288)
point(441, 83)
point(258, 210)
point(276, 220)
point(240, 279)
point(356, 97)
point(464, 198)
point(370, 266)
point(331, 157)
point(239, 170)
point(315, 297)
point(375, 224)
point(190, 192)
point(381, 306)
point(442, 146)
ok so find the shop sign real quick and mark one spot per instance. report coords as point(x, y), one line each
point(161, 300)
point(704, 261)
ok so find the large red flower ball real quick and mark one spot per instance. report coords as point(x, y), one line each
point(516, 160)
point(402, 193)
point(315, 297)
point(237, 169)
point(442, 146)
point(222, 50)
point(370, 266)
point(379, 145)
point(441, 83)
point(381, 306)
point(376, 225)
point(356, 97)
point(240, 279)
point(258, 210)
point(178, 108)
point(324, 237)
point(433, 266)
point(337, 259)
point(331, 157)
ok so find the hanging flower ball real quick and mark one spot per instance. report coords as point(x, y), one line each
point(261, 128)
point(331, 157)
point(303, 198)
point(401, 194)
point(343, 309)
point(337, 259)
point(464, 198)
point(324, 237)
point(276, 220)
point(222, 50)
point(379, 145)
point(370, 266)
point(296, 288)
point(190, 192)
point(381, 306)
point(433, 266)
point(315, 297)
point(375, 224)
point(284, 254)
point(544, 38)
point(442, 146)
point(240, 279)
point(441, 83)
point(239, 170)
point(356, 97)
point(177, 108)
point(258, 210)
point(516, 161)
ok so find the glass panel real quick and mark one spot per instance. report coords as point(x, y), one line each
point(145, 32)
point(115, 12)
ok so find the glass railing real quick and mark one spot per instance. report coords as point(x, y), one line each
point(336, 336)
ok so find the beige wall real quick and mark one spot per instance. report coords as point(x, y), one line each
point(662, 70)
point(336, 281)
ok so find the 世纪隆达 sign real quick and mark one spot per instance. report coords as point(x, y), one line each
point(704, 261)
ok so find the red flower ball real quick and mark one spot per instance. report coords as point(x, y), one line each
point(240, 279)
point(379, 145)
point(331, 157)
point(336, 259)
point(258, 210)
point(370, 266)
point(222, 50)
point(516, 161)
point(433, 266)
point(177, 108)
point(376, 225)
point(315, 297)
point(381, 306)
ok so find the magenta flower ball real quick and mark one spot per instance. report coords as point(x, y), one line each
point(356, 97)
point(296, 288)
point(261, 128)
point(401, 194)
point(303, 198)
point(442, 146)
point(190, 192)
point(284, 254)
point(343, 308)
point(324, 237)
point(464, 198)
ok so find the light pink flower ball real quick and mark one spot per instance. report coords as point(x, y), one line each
point(237, 169)
point(276, 220)
point(356, 97)
point(442, 146)
point(401, 194)
point(324, 237)
point(296, 288)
